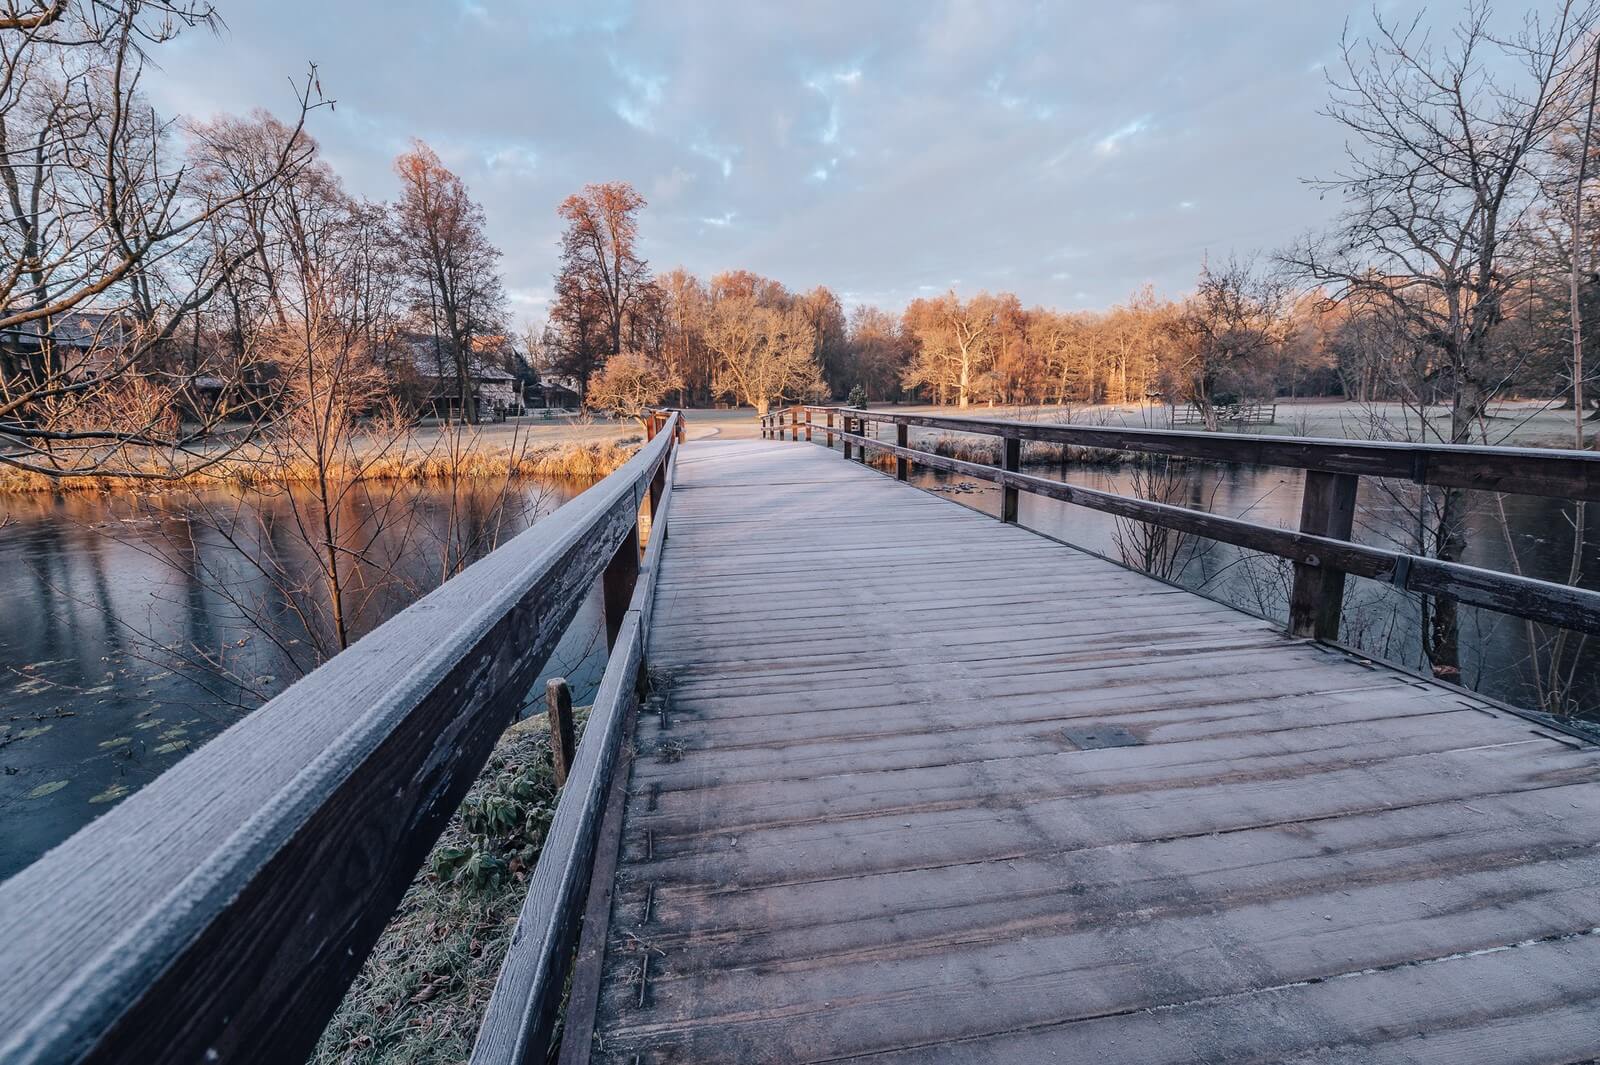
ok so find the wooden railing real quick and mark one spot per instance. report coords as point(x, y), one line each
point(220, 913)
point(1321, 549)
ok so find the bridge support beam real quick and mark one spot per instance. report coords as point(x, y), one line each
point(1328, 508)
point(1010, 459)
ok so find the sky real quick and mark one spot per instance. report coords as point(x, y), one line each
point(1067, 152)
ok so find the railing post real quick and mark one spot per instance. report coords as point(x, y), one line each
point(861, 450)
point(830, 429)
point(902, 465)
point(794, 423)
point(558, 711)
point(1328, 508)
point(808, 425)
point(1011, 460)
point(650, 427)
point(847, 422)
point(616, 583)
point(656, 484)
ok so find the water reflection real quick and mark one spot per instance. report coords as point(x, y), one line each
point(134, 629)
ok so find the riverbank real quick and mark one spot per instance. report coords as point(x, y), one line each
point(421, 456)
point(420, 996)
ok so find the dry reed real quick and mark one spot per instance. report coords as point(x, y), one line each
point(568, 461)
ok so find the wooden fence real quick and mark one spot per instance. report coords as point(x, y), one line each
point(220, 913)
point(1227, 414)
point(1321, 549)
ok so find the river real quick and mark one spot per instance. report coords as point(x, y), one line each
point(135, 627)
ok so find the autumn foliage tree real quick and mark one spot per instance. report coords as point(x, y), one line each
point(605, 299)
point(629, 385)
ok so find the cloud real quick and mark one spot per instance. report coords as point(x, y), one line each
point(878, 148)
point(1111, 143)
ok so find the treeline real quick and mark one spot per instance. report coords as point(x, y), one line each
point(1246, 332)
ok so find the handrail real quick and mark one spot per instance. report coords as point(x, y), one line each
point(221, 912)
point(1321, 550)
point(1518, 470)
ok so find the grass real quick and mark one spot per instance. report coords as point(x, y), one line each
point(421, 994)
point(567, 461)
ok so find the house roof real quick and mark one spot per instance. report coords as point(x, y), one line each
point(429, 356)
point(83, 329)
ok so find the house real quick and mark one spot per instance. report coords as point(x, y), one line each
point(83, 342)
point(423, 362)
point(558, 390)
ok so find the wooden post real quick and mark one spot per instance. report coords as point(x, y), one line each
point(808, 425)
point(1328, 508)
point(902, 465)
point(616, 583)
point(794, 423)
point(650, 427)
point(558, 710)
point(657, 483)
point(830, 429)
point(848, 421)
point(1010, 459)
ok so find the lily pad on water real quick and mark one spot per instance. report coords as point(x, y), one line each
point(112, 793)
point(47, 789)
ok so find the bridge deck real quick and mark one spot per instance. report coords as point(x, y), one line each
point(882, 823)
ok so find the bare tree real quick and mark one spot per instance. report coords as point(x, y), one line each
point(1227, 333)
point(1440, 190)
point(104, 243)
point(765, 353)
point(447, 252)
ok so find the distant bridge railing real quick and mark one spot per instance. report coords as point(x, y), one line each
point(220, 913)
point(1321, 549)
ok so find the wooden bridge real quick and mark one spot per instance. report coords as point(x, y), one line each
point(901, 783)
